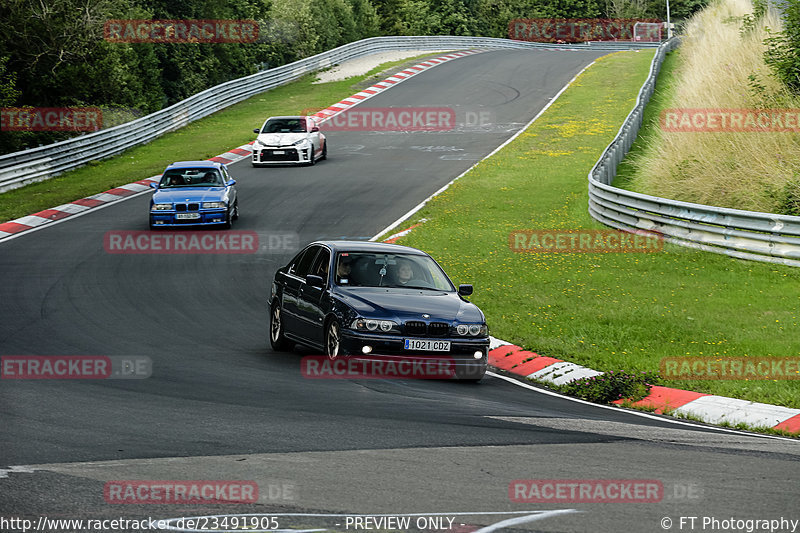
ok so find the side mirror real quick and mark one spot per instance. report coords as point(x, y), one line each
point(154, 184)
point(231, 182)
point(315, 281)
point(256, 130)
point(315, 129)
point(465, 290)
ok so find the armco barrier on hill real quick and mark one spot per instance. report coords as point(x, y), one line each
point(734, 232)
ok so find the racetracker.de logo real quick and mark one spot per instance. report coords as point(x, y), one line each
point(586, 491)
point(75, 367)
point(51, 118)
point(392, 119)
point(583, 241)
point(180, 31)
point(731, 120)
point(743, 368)
point(181, 242)
point(180, 492)
point(580, 30)
point(377, 367)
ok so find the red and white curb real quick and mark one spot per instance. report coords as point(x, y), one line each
point(17, 226)
point(392, 238)
point(707, 407)
point(55, 214)
point(389, 82)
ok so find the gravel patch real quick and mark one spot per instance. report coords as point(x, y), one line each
point(362, 65)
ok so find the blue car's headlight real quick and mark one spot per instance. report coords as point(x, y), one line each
point(473, 330)
point(213, 205)
point(375, 325)
point(161, 207)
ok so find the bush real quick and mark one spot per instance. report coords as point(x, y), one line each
point(783, 49)
point(612, 386)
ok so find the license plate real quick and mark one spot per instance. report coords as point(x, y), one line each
point(278, 152)
point(184, 216)
point(427, 345)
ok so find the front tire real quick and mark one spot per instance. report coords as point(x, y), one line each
point(278, 342)
point(324, 155)
point(333, 339)
point(311, 160)
point(229, 216)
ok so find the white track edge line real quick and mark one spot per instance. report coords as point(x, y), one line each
point(663, 418)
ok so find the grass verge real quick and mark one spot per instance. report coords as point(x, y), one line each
point(202, 139)
point(607, 311)
point(649, 133)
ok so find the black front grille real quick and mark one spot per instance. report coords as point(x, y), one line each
point(438, 329)
point(415, 327)
point(420, 328)
point(287, 155)
point(193, 207)
point(180, 207)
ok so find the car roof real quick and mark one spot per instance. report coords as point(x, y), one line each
point(291, 116)
point(369, 246)
point(195, 164)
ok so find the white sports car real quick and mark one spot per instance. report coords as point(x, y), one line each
point(289, 140)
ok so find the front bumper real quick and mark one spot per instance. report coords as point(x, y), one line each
point(284, 155)
point(207, 217)
point(461, 356)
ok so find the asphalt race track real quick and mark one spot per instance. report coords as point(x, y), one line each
point(221, 405)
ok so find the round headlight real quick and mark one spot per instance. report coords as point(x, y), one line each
point(474, 329)
point(372, 325)
point(386, 325)
point(462, 329)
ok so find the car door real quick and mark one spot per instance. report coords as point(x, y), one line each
point(311, 300)
point(313, 136)
point(294, 278)
point(231, 190)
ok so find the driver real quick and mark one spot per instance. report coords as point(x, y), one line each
point(405, 273)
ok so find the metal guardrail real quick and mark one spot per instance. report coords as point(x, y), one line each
point(38, 164)
point(734, 232)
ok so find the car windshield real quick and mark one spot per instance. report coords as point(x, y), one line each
point(190, 177)
point(360, 269)
point(285, 125)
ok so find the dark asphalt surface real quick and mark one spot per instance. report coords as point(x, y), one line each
point(217, 388)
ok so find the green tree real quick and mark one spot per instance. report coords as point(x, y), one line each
point(783, 48)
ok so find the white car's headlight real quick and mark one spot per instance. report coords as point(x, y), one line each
point(300, 142)
point(213, 205)
point(161, 207)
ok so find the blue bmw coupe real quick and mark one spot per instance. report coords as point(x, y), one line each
point(194, 193)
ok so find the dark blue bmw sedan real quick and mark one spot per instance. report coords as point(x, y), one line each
point(348, 298)
point(194, 193)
